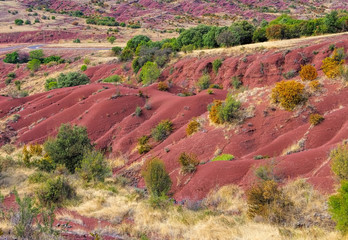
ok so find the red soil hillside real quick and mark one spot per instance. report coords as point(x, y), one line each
point(298, 149)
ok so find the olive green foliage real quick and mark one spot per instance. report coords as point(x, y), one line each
point(36, 54)
point(69, 147)
point(66, 80)
point(133, 43)
point(224, 112)
point(116, 50)
point(34, 65)
point(83, 68)
point(55, 191)
point(236, 82)
point(192, 127)
point(188, 162)
point(126, 55)
point(268, 200)
point(339, 161)
point(156, 178)
point(316, 119)
point(19, 22)
point(112, 78)
point(111, 39)
point(216, 65)
point(93, 167)
point(162, 130)
point(203, 82)
point(223, 157)
point(338, 207)
point(143, 144)
point(149, 73)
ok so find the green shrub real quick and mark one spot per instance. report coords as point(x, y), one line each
point(338, 207)
point(38, 177)
point(223, 157)
point(55, 191)
point(229, 109)
point(69, 146)
point(111, 39)
point(36, 54)
point(156, 178)
point(126, 55)
point(93, 167)
point(27, 22)
point(138, 111)
point(19, 22)
point(83, 68)
point(11, 75)
point(76, 40)
point(143, 146)
point(112, 78)
point(203, 82)
point(149, 73)
point(258, 157)
point(339, 161)
point(51, 83)
point(34, 65)
point(235, 82)
point(87, 61)
point(188, 162)
point(162, 86)
point(290, 74)
point(116, 50)
point(12, 57)
point(316, 119)
point(45, 164)
point(216, 65)
point(162, 130)
point(71, 79)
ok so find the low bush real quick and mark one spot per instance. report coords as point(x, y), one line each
point(188, 162)
point(308, 73)
point(71, 79)
point(344, 72)
point(224, 112)
point(126, 55)
point(76, 40)
point(203, 82)
point(138, 111)
point(288, 94)
point(83, 68)
point(338, 207)
point(162, 86)
point(162, 130)
point(216, 65)
point(116, 50)
point(55, 191)
point(19, 22)
point(156, 178)
point(12, 58)
point(149, 73)
point(214, 110)
point(339, 161)
point(34, 65)
point(236, 82)
point(143, 145)
point(315, 119)
point(290, 74)
point(112, 78)
point(69, 147)
point(331, 65)
point(223, 157)
point(93, 167)
point(314, 85)
point(268, 200)
point(192, 127)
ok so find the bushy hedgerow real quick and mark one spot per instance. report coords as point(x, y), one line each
point(338, 207)
point(339, 161)
point(192, 127)
point(188, 162)
point(316, 119)
point(69, 147)
point(308, 73)
point(156, 178)
point(224, 112)
point(93, 167)
point(268, 200)
point(55, 191)
point(331, 65)
point(288, 94)
point(162, 130)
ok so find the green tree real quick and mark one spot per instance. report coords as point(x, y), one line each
point(111, 39)
point(149, 73)
point(69, 147)
point(34, 65)
point(338, 207)
point(156, 178)
point(243, 32)
point(127, 54)
point(133, 43)
point(116, 50)
point(36, 54)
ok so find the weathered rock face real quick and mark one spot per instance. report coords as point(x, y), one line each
point(298, 149)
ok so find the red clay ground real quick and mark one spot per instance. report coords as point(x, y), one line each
point(107, 112)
